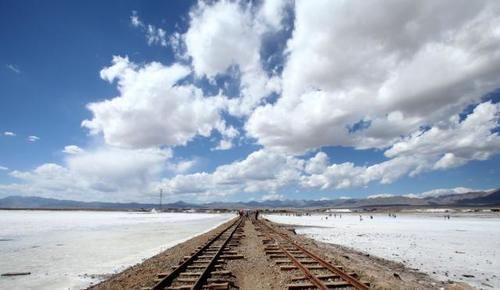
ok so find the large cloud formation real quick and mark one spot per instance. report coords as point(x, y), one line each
point(101, 173)
point(437, 148)
point(407, 78)
point(395, 66)
point(366, 75)
point(229, 34)
point(153, 108)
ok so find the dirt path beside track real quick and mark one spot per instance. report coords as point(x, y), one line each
point(257, 271)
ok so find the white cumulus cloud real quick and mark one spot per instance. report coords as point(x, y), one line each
point(260, 171)
point(105, 173)
point(153, 108)
point(443, 147)
point(396, 67)
point(226, 34)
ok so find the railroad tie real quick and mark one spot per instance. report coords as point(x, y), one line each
point(336, 284)
point(217, 286)
point(323, 277)
point(231, 257)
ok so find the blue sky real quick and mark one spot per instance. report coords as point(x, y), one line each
point(113, 100)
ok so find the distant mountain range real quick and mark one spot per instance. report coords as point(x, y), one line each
point(474, 199)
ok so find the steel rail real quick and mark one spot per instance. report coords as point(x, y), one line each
point(343, 275)
point(315, 280)
point(166, 281)
point(199, 283)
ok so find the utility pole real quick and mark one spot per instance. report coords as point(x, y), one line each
point(161, 196)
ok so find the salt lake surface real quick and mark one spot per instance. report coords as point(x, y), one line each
point(446, 249)
point(63, 249)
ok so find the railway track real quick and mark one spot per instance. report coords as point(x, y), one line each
point(315, 272)
point(204, 269)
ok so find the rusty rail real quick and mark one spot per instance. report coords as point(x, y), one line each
point(167, 280)
point(199, 283)
point(313, 278)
